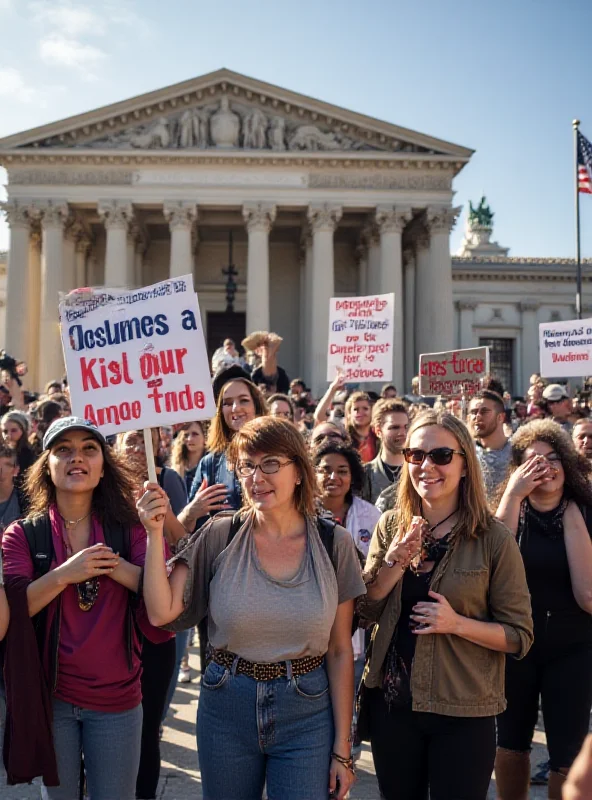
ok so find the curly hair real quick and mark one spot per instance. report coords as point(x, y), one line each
point(353, 459)
point(576, 467)
point(113, 498)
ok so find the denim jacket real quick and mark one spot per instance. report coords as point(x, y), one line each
point(482, 578)
point(214, 468)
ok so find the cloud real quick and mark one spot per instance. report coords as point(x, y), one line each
point(13, 85)
point(70, 20)
point(56, 49)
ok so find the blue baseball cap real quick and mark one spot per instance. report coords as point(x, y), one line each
point(64, 424)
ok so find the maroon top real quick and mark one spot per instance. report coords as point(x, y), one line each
point(93, 669)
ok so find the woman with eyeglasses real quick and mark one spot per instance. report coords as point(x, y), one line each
point(547, 506)
point(446, 586)
point(278, 585)
point(72, 572)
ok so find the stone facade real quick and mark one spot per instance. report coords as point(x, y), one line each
point(320, 201)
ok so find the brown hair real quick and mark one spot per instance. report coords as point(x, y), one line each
point(9, 453)
point(349, 404)
point(474, 516)
point(179, 451)
point(383, 408)
point(576, 467)
point(278, 437)
point(282, 398)
point(220, 435)
point(113, 497)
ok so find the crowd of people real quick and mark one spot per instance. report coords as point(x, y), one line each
point(408, 571)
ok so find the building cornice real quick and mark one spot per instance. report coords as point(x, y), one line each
point(511, 260)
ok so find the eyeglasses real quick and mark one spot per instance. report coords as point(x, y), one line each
point(246, 469)
point(336, 436)
point(440, 456)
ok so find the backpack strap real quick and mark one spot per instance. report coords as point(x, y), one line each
point(326, 529)
point(38, 534)
point(235, 524)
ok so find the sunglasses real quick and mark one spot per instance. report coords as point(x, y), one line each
point(440, 456)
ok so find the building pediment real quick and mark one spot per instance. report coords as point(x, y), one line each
point(225, 111)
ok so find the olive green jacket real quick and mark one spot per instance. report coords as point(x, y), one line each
point(482, 578)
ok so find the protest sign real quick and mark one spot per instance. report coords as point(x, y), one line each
point(361, 338)
point(454, 373)
point(136, 359)
point(566, 348)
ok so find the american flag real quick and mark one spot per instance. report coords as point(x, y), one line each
point(584, 165)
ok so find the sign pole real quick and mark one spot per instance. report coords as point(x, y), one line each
point(576, 124)
point(150, 455)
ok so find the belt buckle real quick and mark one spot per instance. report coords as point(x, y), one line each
point(258, 673)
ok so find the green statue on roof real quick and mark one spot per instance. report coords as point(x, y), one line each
point(481, 215)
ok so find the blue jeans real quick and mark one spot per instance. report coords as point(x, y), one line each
point(111, 746)
point(250, 732)
point(181, 640)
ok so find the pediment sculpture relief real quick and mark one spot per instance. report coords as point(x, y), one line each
point(225, 125)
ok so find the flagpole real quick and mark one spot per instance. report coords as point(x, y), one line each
point(576, 124)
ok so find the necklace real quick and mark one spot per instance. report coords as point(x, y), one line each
point(433, 549)
point(72, 523)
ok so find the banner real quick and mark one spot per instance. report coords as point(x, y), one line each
point(453, 373)
point(361, 338)
point(136, 359)
point(566, 348)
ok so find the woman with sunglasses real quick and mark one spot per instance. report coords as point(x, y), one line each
point(80, 600)
point(276, 701)
point(446, 586)
point(547, 506)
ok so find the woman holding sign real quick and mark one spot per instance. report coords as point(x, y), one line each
point(216, 487)
point(278, 585)
point(72, 572)
point(547, 504)
point(446, 586)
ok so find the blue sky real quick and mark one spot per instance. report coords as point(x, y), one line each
point(504, 77)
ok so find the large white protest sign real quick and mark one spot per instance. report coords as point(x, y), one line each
point(454, 373)
point(136, 359)
point(566, 348)
point(361, 338)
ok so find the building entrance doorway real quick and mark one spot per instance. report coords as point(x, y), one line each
point(225, 325)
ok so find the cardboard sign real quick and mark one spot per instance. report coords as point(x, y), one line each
point(566, 348)
point(361, 338)
point(454, 373)
point(136, 359)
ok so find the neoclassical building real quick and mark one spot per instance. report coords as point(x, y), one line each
point(306, 200)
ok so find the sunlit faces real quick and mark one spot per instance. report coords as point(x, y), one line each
point(12, 433)
point(361, 414)
point(582, 437)
point(560, 409)
point(272, 490)
point(279, 408)
point(436, 485)
point(333, 476)
point(237, 405)
point(326, 432)
point(193, 438)
point(555, 476)
point(393, 431)
point(484, 417)
point(76, 462)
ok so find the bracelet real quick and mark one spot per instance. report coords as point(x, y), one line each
point(391, 564)
point(347, 762)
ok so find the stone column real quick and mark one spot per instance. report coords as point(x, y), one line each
point(82, 250)
point(117, 216)
point(69, 268)
point(391, 222)
point(181, 217)
point(409, 315)
point(19, 322)
point(434, 287)
point(51, 361)
point(306, 267)
point(422, 277)
point(466, 309)
point(34, 309)
point(371, 239)
point(361, 254)
point(530, 339)
point(323, 219)
point(259, 218)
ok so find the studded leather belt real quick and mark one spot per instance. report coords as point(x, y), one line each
point(266, 672)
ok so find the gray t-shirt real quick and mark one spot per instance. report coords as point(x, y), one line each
point(494, 466)
point(266, 620)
